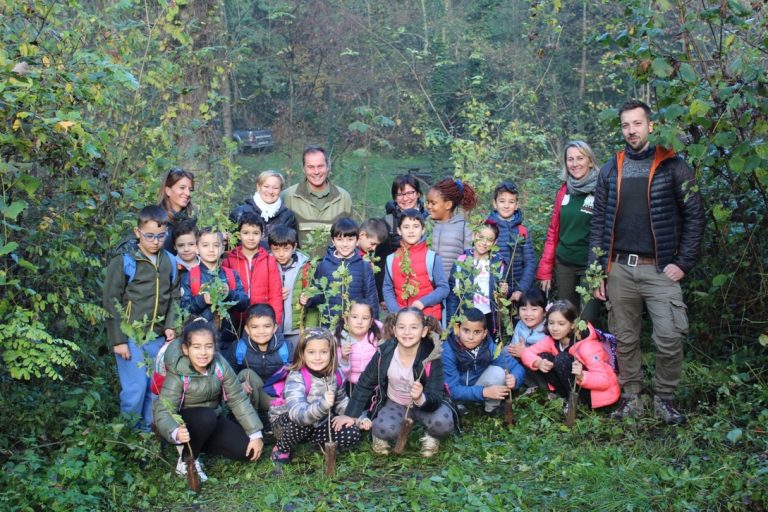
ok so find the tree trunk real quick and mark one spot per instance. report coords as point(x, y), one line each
point(583, 79)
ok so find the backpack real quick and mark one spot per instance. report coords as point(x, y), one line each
point(609, 342)
point(196, 276)
point(280, 385)
point(129, 265)
point(159, 373)
point(430, 264)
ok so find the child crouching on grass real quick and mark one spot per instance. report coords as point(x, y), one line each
point(566, 355)
point(198, 380)
point(313, 392)
point(395, 376)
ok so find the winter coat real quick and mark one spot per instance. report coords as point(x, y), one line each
point(361, 288)
point(374, 381)
point(362, 353)
point(283, 217)
point(514, 237)
point(599, 376)
point(308, 216)
point(152, 293)
point(196, 305)
point(204, 390)
point(266, 364)
point(530, 336)
point(431, 293)
point(261, 280)
point(457, 297)
point(308, 408)
point(675, 205)
point(451, 238)
point(462, 368)
point(547, 261)
point(290, 279)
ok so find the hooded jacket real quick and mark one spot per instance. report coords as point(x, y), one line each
point(151, 293)
point(599, 377)
point(361, 288)
point(514, 237)
point(374, 381)
point(204, 390)
point(462, 368)
point(677, 213)
point(265, 364)
point(260, 277)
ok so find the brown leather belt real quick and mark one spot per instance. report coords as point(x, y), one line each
point(633, 260)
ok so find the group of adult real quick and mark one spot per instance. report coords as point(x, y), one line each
point(641, 209)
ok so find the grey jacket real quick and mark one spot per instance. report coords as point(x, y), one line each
point(450, 239)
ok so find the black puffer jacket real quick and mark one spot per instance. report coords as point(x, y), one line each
point(677, 213)
point(284, 216)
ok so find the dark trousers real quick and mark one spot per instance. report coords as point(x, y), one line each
point(561, 378)
point(290, 434)
point(215, 434)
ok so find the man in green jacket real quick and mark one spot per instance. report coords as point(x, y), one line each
point(316, 202)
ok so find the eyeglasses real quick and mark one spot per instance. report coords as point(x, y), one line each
point(154, 237)
point(410, 193)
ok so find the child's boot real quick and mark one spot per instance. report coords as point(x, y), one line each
point(280, 457)
point(380, 446)
point(429, 446)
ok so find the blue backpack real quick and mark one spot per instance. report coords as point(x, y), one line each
point(129, 263)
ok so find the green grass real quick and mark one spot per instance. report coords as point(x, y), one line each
point(539, 464)
point(367, 178)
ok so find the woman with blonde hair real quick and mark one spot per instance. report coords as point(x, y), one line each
point(267, 204)
point(566, 248)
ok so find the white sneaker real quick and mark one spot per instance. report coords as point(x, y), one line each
point(181, 469)
point(380, 446)
point(429, 446)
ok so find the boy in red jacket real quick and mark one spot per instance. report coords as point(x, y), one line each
point(256, 268)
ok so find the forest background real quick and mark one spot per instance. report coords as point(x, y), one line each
point(99, 97)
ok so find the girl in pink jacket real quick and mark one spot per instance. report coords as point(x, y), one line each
point(566, 354)
point(358, 335)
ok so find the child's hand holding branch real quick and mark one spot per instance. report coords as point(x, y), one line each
point(417, 391)
point(182, 435)
point(543, 365)
point(516, 349)
point(329, 397)
point(578, 370)
point(495, 392)
point(510, 381)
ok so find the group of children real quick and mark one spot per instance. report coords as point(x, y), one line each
point(298, 353)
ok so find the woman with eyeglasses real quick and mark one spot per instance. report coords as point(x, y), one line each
point(566, 249)
point(175, 197)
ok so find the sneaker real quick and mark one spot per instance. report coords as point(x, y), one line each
point(429, 446)
point(496, 412)
point(666, 411)
point(181, 469)
point(631, 405)
point(280, 457)
point(462, 410)
point(380, 446)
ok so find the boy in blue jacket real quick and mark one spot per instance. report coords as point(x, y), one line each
point(472, 371)
point(260, 356)
point(344, 235)
point(194, 297)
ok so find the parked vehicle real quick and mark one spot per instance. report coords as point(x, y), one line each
point(250, 141)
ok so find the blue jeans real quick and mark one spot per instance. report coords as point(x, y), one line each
point(135, 376)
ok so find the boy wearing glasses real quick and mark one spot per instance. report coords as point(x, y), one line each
point(141, 285)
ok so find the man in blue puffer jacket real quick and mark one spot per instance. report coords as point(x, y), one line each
point(473, 373)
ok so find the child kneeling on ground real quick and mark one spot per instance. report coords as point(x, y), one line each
point(395, 376)
point(565, 355)
point(473, 371)
point(313, 392)
point(198, 380)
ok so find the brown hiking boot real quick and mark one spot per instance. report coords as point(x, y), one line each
point(631, 405)
point(667, 412)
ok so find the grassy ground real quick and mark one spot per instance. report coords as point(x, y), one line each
point(367, 178)
point(718, 461)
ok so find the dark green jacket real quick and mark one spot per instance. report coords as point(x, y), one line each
point(203, 391)
point(151, 293)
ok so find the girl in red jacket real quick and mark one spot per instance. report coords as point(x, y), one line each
point(567, 354)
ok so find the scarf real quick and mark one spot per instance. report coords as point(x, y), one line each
point(583, 186)
point(267, 210)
